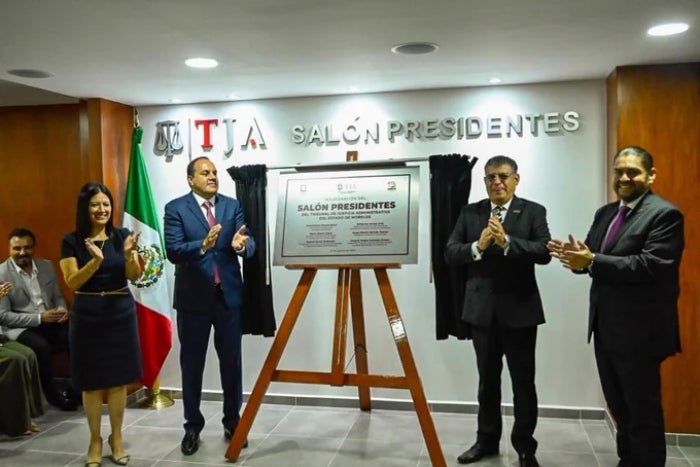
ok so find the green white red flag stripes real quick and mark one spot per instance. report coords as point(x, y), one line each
point(151, 289)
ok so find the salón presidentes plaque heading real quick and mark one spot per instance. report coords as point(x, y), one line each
point(348, 216)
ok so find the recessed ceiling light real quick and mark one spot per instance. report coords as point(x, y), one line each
point(353, 89)
point(233, 97)
point(201, 62)
point(414, 48)
point(667, 29)
point(495, 80)
point(30, 73)
point(175, 100)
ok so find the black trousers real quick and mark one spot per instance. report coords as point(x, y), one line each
point(632, 388)
point(45, 340)
point(518, 345)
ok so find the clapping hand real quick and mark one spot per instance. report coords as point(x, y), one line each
point(5, 288)
point(497, 231)
point(573, 254)
point(94, 250)
point(240, 239)
point(130, 243)
point(210, 240)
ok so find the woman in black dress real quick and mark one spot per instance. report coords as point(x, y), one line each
point(97, 259)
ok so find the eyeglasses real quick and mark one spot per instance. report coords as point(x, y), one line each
point(490, 178)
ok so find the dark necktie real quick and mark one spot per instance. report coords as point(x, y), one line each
point(210, 219)
point(497, 212)
point(615, 226)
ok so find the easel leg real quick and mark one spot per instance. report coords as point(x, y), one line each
point(270, 365)
point(358, 332)
point(340, 330)
point(409, 367)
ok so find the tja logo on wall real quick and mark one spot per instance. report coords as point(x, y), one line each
point(200, 133)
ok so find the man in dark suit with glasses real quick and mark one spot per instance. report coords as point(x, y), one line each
point(500, 239)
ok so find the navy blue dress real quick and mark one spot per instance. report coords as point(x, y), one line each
point(103, 329)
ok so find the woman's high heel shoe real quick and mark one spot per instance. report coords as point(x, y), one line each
point(123, 460)
point(89, 463)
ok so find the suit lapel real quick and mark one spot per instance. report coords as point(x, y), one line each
point(221, 207)
point(598, 233)
point(17, 280)
point(636, 213)
point(196, 211)
point(513, 214)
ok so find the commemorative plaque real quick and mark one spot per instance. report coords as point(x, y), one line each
point(348, 216)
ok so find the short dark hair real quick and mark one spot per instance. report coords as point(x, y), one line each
point(190, 166)
point(83, 226)
point(22, 232)
point(643, 154)
point(495, 161)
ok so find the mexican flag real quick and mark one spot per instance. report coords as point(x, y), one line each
point(151, 289)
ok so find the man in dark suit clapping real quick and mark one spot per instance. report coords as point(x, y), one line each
point(500, 239)
point(205, 233)
point(632, 252)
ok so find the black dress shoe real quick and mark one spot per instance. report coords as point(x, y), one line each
point(476, 453)
point(228, 434)
point(190, 443)
point(528, 460)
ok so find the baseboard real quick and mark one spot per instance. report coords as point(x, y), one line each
point(571, 413)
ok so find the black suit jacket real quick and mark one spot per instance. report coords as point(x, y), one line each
point(635, 288)
point(501, 286)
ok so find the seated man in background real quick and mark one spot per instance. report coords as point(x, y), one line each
point(34, 312)
point(20, 389)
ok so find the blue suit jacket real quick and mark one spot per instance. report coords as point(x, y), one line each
point(185, 229)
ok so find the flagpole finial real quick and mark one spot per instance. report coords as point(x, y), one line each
point(136, 117)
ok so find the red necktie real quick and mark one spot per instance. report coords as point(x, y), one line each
point(615, 226)
point(210, 219)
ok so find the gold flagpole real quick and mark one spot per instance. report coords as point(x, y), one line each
point(156, 400)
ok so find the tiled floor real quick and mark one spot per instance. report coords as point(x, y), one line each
point(289, 436)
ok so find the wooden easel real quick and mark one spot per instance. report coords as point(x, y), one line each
point(348, 296)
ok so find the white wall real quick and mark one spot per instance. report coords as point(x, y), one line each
point(565, 172)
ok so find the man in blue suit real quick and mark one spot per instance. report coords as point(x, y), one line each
point(632, 253)
point(205, 233)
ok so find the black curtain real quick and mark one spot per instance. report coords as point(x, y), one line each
point(450, 183)
point(258, 315)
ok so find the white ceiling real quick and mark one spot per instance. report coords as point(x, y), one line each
point(132, 51)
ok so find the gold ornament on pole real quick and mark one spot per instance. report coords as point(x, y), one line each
point(156, 400)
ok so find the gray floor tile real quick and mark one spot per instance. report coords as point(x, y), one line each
point(291, 451)
point(151, 443)
point(678, 463)
point(172, 417)
point(380, 454)
point(600, 436)
point(568, 459)
point(562, 436)
point(387, 426)
point(68, 438)
point(690, 452)
point(268, 417)
point(318, 422)
point(607, 460)
point(292, 436)
point(451, 451)
point(33, 459)
point(455, 428)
